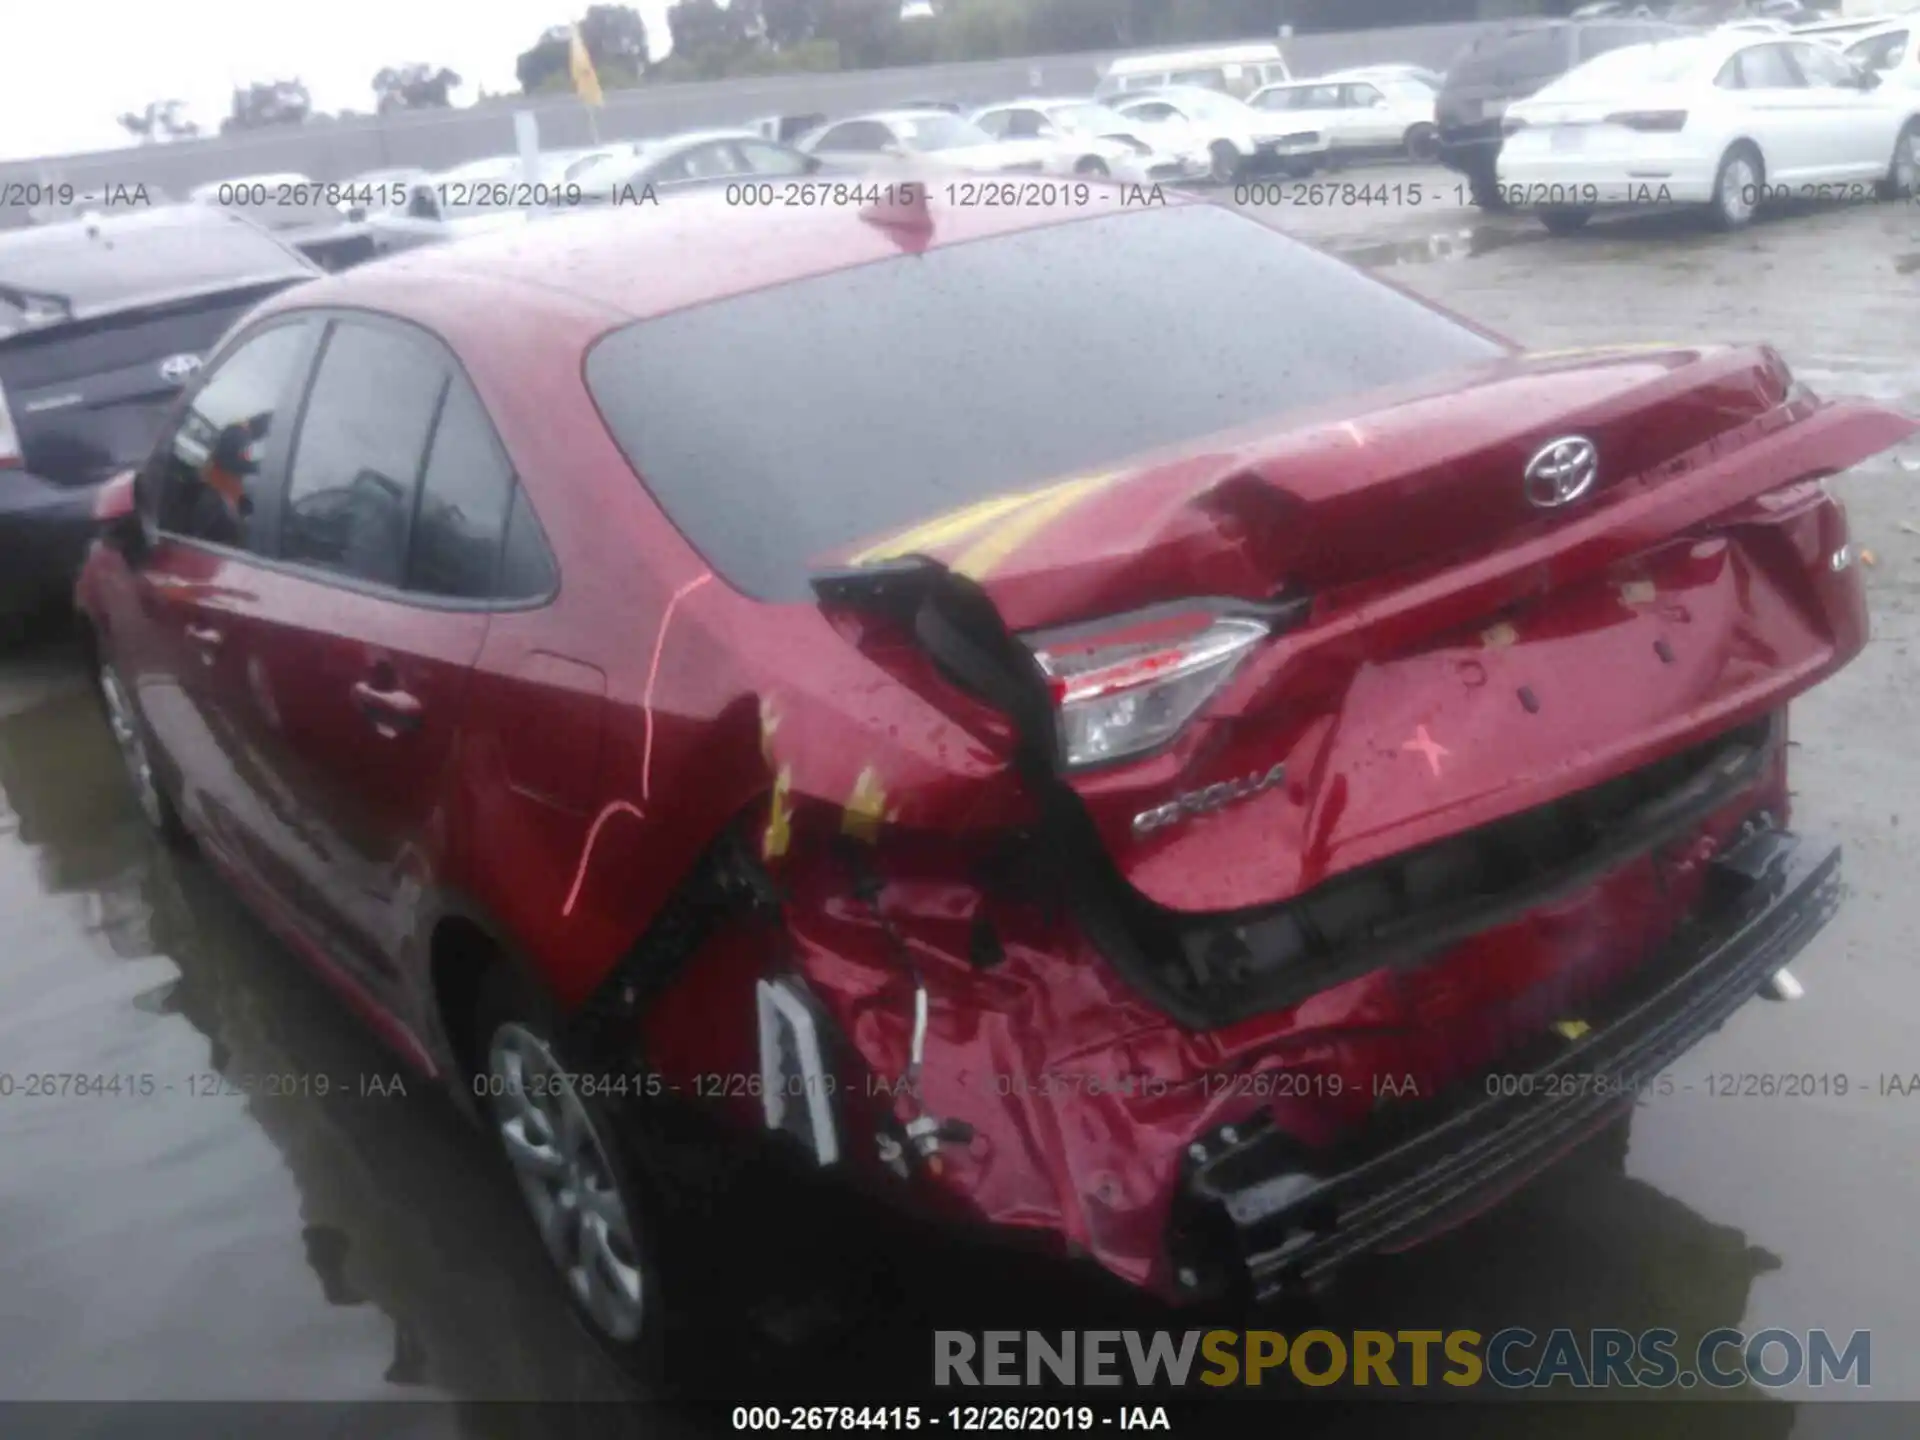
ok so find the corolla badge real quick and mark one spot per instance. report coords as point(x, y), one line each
point(178, 369)
point(1561, 471)
point(1210, 797)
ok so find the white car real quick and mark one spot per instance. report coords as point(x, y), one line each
point(1239, 140)
point(938, 136)
point(1359, 116)
point(1891, 51)
point(1092, 139)
point(1725, 120)
point(472, 199)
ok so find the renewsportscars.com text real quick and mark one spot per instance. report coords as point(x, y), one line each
point(1511, 1359)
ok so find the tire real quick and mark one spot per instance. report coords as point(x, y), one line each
point(1421, 142)
point(1903, 170)
point(1564, 220)
point(1736, 187)
point(1226, 163)
point(135, 743)
point(591, 1203)
point(1091, 165)
point(1484, 187)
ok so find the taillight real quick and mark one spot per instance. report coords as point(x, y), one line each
point(10, 456)
point(1663, 121)
point(1136, 686)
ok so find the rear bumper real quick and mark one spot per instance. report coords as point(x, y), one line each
point(45, 530)
point(1531, 178)
point(1260, 1212)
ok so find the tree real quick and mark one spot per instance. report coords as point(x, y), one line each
point(414, 87)
point(789, 22)
point(865, 30)
point(161, 120)
point(616, 41)
point(703, 26)
point(264, 104)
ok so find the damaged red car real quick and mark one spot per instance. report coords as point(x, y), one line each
point(1214, 777)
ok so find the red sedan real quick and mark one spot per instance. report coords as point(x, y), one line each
point(1102, 723)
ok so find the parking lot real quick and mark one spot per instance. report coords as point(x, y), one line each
point(205, 1243)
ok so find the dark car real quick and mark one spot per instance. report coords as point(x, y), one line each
point(1073, 797)
point(1509, 64)
point(101, 322)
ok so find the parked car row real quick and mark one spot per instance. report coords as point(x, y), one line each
point(1727, 120)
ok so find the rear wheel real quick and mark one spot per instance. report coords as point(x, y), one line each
point(1564, 220)
point(1091, 165)
point(1225, 162)
point(1903, 170)
point(589, 1201)
point(1421, 142)
point(1736, 188)
point(136, 756)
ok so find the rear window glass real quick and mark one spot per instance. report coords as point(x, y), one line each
point(173, 249)
point(778, 428)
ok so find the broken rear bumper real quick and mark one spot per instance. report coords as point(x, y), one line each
point(1259, 1211)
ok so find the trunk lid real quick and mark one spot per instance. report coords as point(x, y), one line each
point(88, 397)
point(1452, 652)
point(1353, 492)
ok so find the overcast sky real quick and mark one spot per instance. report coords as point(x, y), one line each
point(73, 65)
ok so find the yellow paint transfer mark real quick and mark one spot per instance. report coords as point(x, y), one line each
point(779, 817)
point(945, 529)
point(866, 807)
point(1498, 637)
point(1637, 592)
point(1570, 1029)
point(980, 558)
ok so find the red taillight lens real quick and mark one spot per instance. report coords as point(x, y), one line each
point(1663, 121)
point(1136, 687)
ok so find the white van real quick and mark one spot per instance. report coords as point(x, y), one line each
point(1239, 70)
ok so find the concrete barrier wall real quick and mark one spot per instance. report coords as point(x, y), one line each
point(336, 150)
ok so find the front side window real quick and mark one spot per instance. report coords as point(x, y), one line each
point(358, 456)
point(207, 474)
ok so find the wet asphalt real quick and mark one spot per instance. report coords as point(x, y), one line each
point(203, 1243)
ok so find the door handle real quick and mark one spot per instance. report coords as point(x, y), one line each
point(389, 711)
point(208, 639)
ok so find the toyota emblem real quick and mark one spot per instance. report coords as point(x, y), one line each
point(178, 369)
point(1561, 471)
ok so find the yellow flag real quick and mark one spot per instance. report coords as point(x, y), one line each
point(586, 83)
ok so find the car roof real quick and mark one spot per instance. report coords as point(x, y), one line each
point(1175, 92)
point(106, 262)
point(888, 117)
point(597, 268)
point(1041, 102)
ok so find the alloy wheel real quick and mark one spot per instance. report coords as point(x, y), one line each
point(1739, 190)
point(567, 1176)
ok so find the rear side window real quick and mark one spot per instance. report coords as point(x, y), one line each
point(1882, 52)
point(912, 387)
point(1768, 67)
point(464, 495)
point(206, 475)
point(527, 567)
point(357, 461)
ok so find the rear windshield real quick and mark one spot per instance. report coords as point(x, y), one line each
point(778, 428)
point(124, 259)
